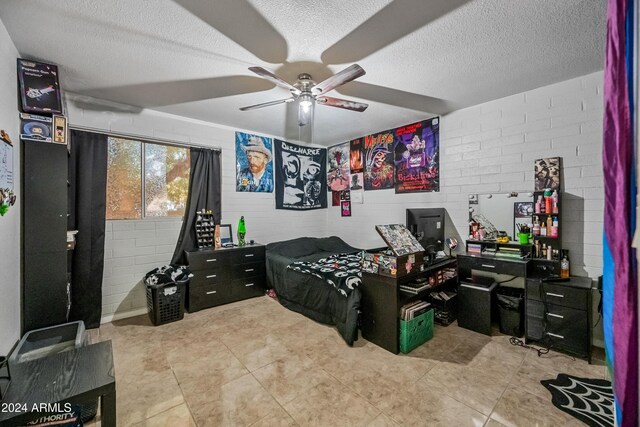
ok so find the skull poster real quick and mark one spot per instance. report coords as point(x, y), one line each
point(378, 152)
point(338, 167)
point(301, 176)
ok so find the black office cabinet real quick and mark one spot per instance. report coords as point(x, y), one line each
point(44, 234)
point(221, 276)
point(558, 314)
point(475, 304)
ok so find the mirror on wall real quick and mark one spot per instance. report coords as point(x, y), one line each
point(497, 212)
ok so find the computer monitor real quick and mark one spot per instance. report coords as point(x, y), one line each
point(427, 225)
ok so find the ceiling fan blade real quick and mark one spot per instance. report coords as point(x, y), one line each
point(342, 103)
point(267, 104)
point(262, 40)
point(338, 79)
point(386, 95)
point(274, 79)
point(367, 38)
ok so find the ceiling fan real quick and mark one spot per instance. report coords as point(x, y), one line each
point(307, 92)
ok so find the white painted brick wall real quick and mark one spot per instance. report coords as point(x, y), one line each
point(491, 148)
point(485, 148)
point(134, 247)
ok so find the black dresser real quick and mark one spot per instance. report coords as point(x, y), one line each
point(558, 314)
point(221, 276)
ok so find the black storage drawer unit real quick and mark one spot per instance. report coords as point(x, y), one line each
point(475, 301)
point(558, 314)
point(221, 276)
point(486, 263)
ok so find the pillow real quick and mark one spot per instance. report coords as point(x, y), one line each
point(295, 248)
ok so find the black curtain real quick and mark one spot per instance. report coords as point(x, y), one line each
point(87, 208)
point(204, 193)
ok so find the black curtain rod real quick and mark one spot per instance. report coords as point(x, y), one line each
point(142, 138)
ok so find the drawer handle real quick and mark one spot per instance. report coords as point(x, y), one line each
point(555, 335)
point(249, 269)
point(488, 265)
point(248, 255)
point(555, 315)
point(249, 284)
point(211, 292)
point(211, 276)
point(212, 260)
point(555, 295)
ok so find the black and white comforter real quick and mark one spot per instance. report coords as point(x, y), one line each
point(342, 271)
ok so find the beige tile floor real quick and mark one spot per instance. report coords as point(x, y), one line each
point(255, 363)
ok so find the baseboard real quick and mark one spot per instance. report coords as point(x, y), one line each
point(123, 315)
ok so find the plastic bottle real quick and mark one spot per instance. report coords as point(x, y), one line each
point(538, 205)
point(547, 204)
point(544, 250)
point(536, 226)
point(564, 265)
point(554, 227)
point(554, 196)
point(549, 253)
point(242, 230)
point(542, 204)
point(543, 229)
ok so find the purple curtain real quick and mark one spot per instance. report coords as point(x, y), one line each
point(620, 191)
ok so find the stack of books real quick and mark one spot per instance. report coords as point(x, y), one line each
point(413, 309)
point(474, 248)
point(490, 250)
point(506, 252)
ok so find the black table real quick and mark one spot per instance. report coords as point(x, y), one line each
point(81, 374)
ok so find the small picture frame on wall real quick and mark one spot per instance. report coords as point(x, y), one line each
point(39, 87)
point(35, 128)
point(59, 129)
point(345, 208)
point(547, 174)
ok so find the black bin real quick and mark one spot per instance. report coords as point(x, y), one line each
point(166, 293)
point(510, 306)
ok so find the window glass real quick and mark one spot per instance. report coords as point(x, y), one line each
point(166, 180)
point(124, 179)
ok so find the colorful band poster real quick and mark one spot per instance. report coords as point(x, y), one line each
point(301, 176)
point(378, 152)
point(338, 167)
point(417, 157)
point(356, 156)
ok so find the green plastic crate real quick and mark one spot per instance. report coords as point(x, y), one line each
point(415, 332)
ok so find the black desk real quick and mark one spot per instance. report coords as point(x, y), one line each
point(381, 302)
point(82, 374)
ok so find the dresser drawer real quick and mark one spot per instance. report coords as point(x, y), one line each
point(249, 254)
point(567, 328)
point(208, 296)
point(253, 269)
point(209, 260)
point(556, 294)
point(248, 288)
point(209, 277)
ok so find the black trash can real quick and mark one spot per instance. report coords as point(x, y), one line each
point(166, 293)
point(510, 306)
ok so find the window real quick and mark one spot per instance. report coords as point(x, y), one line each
point(146, 180)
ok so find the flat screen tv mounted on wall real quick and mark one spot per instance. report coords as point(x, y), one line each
point(427, 225)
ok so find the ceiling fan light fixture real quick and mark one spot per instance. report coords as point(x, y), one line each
point(306, 102)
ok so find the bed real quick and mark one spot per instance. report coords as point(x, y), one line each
point(310, 294)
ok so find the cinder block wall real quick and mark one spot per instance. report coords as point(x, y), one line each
point(491, 148)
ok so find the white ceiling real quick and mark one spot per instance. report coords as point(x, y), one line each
point(190, 57)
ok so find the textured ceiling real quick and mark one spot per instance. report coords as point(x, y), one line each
point(190, 57)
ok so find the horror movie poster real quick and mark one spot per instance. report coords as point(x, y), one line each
point(378, 158)
point(416, 157)
point(338, 167)
point(301, 173)
point(356, 156)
